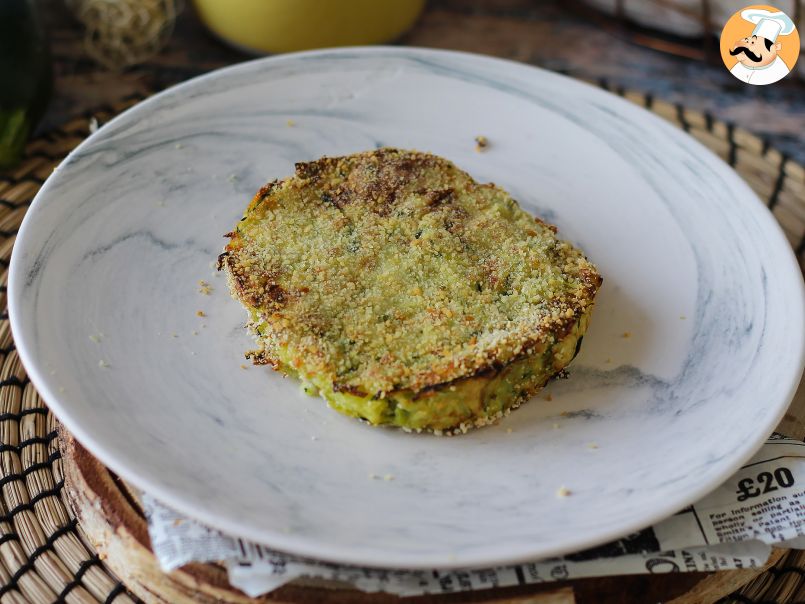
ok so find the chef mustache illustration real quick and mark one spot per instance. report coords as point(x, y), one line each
point(758, 54)
point(749, 54)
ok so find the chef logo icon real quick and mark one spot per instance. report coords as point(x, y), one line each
point(759, 45)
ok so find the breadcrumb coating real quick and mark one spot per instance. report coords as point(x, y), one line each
point(394, 270)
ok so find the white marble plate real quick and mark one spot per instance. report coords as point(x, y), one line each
point(695, 270)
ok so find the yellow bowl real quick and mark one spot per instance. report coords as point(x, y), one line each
point(270, 26)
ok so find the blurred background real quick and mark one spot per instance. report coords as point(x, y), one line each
point(103, 50)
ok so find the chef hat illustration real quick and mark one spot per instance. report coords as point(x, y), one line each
point(769, 24)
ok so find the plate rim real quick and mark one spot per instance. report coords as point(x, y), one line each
point(308, 547)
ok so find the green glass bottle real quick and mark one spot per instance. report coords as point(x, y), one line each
point(25, 76)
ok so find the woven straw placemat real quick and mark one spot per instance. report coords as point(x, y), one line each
point(45, 555)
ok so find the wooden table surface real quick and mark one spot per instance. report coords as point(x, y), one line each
point(558, 35)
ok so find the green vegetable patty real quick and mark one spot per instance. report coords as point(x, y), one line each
point(404, 292)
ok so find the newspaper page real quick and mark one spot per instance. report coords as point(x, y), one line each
point(735, 526)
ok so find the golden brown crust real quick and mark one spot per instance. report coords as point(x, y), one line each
point(392, 269)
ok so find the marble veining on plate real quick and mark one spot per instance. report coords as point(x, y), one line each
point(693, 352)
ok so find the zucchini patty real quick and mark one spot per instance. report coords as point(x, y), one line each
point(404, 292)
